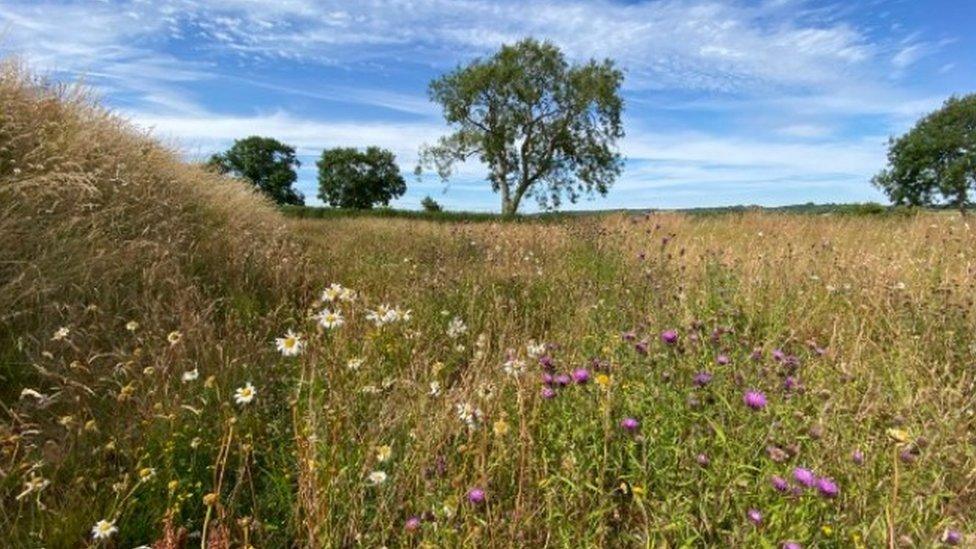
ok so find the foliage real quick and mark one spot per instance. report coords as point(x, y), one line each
point(350, 178)
point(430, 205)
point(543, 127)
point(267, 163)
point(936, 158)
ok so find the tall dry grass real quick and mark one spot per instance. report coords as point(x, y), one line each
point(110, 238)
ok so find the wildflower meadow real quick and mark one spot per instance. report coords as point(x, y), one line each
point(183, 366)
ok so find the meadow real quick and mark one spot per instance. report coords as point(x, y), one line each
point(182, 365)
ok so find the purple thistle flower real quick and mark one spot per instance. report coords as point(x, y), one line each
point(952, 537)
point(827, 487)
point(779, 483)
point(755, 400)
point(412, 524)
point(628, 336)
point(791, 545)
point(756, 355)
point(790, 383)
point(547, 378)
point(722, 360)
point(546, 362)
point(476, 496)
point(703, 459)
point(804, 476)
point(641, 347)
point(857, 457)
point(702, 379)
point(755, 516)
point(562, 380)
point(581, 375)
point(907, 456)
point(629, 424)
point(670, 337)
point(548, 393)
point(778, 355)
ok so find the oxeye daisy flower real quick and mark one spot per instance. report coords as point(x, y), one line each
point(755, 400)
point(456, 328)
point(174, 337)
point(244, 395)
point(754, 516)
point(435, 388)
point(514, 366)
point(827, 487)
point(629, 424)
point(146, 474)
point(104, 529)
point(476, 496)
point(581, 376)
point(535, 350)
point(332, 293)
point(190, 375)
point(289, 345)
point(61, 333)
point(132, 325)
point(377, 477)
point(669, 337)
point(804, 476)
point(329, 319)
point(354, 363)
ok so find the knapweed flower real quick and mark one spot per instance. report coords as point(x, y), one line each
point(702, 379)
point(952, 537)
point(790, 383)
point(804, 476)
point(289, 345)
point(546, 362)
point(377, 477)
point(827, 487)
point(857, 457)
point(702, 459)
point(548, 393)
point(329, 319)
point(723, 360)
point(641, 347)
point(562, 380)
point(779, 483)
point(383, 453)
point(791, 545)
point(61, 333)
point(174, 337)
point(104, 529)
point(412, 524)
point(581, 376)
point(754, 516)
point(755, 400)
point(190, 375)
point(245, 394)
point(476, 496)
point(669, 337)
point(779, 355)
point(629, 424)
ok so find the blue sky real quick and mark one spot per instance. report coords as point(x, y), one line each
point(727, 102)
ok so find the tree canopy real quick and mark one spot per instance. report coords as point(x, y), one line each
point(544, 128)
point(350, 178)
point(936, 159)
point(267, 163)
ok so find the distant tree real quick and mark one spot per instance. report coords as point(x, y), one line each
point(543, 127)
point(267, 163)
point(936, 158)
point(350, 178)
point(430, 205)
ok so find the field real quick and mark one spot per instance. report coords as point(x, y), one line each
point(661, 380)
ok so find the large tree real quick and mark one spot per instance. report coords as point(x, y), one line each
point(543, 127)
point(350, 178)
point(267, 163)
point(936, 160)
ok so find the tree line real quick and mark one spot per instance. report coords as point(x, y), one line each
point(548, 129)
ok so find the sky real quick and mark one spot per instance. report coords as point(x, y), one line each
point(727, 102)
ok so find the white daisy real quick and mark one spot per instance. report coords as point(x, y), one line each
point(245, 394)
point(330, 319)
point(347, 295)
point(290, 345)
point(191, 375)
point(104, 529)
point(132, 325)
point(456, 328)
point(174, 337)
point(355, 363)
point(535, 350)
point(332, 293)
point(32, 485)
point(514, 366)
point(435, 388)
point(61, 333)
point(377, 477)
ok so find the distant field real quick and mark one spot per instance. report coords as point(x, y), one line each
point(181, 365)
